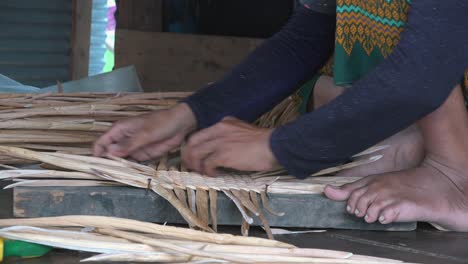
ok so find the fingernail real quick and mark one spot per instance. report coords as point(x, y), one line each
point(348, 208)
point(381, 219)
point(356, 212)
point(366, 218)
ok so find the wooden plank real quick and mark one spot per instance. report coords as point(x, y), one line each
point(81, 38)
point(143, 15)
point(426, 245)
point(311, 211)
point(179, 62)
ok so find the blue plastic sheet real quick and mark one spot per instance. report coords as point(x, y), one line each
point(120, 80)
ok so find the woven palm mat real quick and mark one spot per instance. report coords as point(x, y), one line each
point(192, 194)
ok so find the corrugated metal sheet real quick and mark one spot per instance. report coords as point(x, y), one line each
point(35, 40)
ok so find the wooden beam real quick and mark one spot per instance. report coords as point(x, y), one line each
point(304, 210)
point(81, 38)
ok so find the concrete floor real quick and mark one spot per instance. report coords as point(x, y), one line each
point(426, 245)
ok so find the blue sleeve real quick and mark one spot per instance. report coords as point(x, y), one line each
point(413, 82)
point(271, 73)
point(321, 6)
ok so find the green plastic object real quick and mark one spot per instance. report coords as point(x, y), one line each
point(20, 249)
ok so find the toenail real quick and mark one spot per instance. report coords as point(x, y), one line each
point(381, 219)
point(348, 208)
point(356, 212)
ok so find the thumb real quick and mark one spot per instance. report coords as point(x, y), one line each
point(127, 145)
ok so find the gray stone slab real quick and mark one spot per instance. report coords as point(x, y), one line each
point(307, 211)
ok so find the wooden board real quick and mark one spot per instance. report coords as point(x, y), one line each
point(310, 211)
point(179, 62)
point(144, 15)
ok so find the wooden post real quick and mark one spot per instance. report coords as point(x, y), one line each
point(81, 38)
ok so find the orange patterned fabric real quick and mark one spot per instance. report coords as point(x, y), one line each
point(373, 24)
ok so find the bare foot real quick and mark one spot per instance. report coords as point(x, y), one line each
point(433, 192)
point(406, 149)
point(436, 191)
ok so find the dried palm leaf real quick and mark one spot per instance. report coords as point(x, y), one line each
point(241, 189)
point(58, 183)
point(143, 227)
point(129, 240)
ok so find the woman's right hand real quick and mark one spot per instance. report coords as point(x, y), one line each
point(147, 136)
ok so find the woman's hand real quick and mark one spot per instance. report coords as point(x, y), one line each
point(232, 144)
point(147, 136)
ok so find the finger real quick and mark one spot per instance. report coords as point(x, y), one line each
point(208, 134)
point(211, 163)
point(234, 121)
point(99, 147)
point(193, 156)
point(156, 150)
point(131, 143)
point(115, 134)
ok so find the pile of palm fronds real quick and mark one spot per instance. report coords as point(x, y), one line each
point(129, 240)
point(69, 123)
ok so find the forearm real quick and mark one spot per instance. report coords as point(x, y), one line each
point(270, 73)
point(414, 81)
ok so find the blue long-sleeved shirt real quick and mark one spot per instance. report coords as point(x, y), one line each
point(411, 83)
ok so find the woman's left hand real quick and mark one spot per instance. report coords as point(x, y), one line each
point(232, 144)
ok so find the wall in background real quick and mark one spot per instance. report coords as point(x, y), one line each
point(187, 62)
point(179, 62)
point(35, 40)
point(240, 18)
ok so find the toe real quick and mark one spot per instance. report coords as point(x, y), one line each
point(364, 201)
point(375, 209)
point(342, 193)
point(353, 200)
point(336, 193)
point(390, 214)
